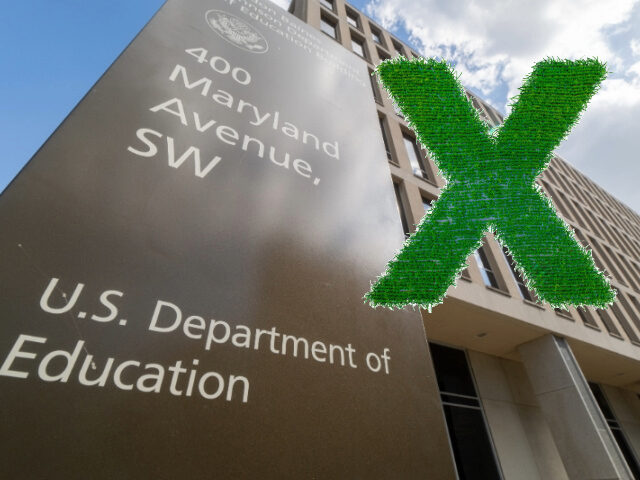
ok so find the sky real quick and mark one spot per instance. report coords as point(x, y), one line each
point(54, 51)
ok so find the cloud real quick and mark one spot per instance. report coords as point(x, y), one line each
point(495, 43)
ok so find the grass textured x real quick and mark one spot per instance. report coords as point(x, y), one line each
point(491, 184)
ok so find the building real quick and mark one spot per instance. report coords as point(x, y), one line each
point(512, 370)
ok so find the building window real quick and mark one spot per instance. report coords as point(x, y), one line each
point(631, 313)
point(635, 301)
point(573, 211)
point(397, 48)
point(426, 204)
point(357, 47)
point(522, 286)
point(485, 268)
point(621, 279)
point(385, 139)
point(403, 217)
point(563, 312)
point(376, 36)
point(415, 158)
point(353, 19)
point(327, 4)
point(382, 55)
point(328, 27)
point(622, 320)
point(608, 323)
point(601, 255)
point(614, 426)
point(374, 88)
point(586, 317)
point(629, 272)
point(468, 433)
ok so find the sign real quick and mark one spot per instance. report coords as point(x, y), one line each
point(184, 263)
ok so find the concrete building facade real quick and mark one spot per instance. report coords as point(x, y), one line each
point(527, 391)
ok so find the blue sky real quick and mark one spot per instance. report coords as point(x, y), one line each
point(54, 51)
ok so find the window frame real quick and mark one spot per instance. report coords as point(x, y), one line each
point(400, 202)
point(423, 174)
point(469, 402)
point(376, 33)
point(328, 4)
point(361, 43)
point(490, 267)
point(353, 15)
point(326, 19)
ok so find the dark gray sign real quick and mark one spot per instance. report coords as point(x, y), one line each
point(184, 262)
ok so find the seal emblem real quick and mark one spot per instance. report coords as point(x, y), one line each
point(236, 31)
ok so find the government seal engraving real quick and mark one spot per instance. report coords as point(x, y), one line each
point(236, 31)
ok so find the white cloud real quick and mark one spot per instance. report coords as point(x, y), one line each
point(635, 46)
point(634, 69)
point(498, 42)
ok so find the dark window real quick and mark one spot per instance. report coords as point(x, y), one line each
point(328, 27)
point(426, 204)
point(383, 55)
point(385, 139)
point(624, 324)
point(635, 301)
point(485, 268)
point(617, 432)
point(608, 323)
point(522, 286)
point(563, 312)
point(415, 158)
point(614, 257)
point(357, 47)
point(596, 246)
point(327, 4)
point(398, 48)
point(376, 36)
point(623, 301)
point(586, 317)
point(470, 441)
point(352, 19)
point(569, 204)
point(587, 218)
point(403, 217)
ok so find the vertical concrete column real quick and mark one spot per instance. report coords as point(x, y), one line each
point(311, 14)
point(585, 443)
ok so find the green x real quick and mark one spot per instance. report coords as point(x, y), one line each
point(491, 184)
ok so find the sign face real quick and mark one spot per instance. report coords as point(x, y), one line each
point(184, 261)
